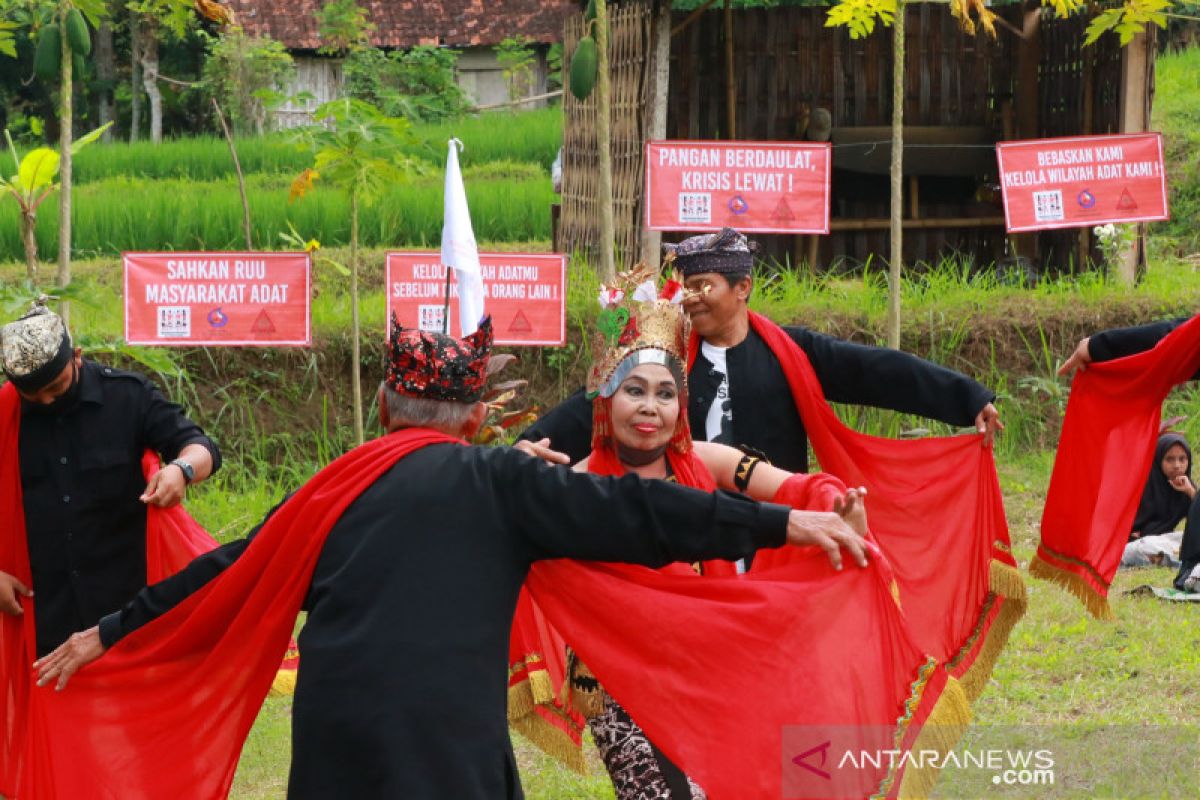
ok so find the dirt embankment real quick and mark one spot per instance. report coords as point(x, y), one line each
point(304, 395)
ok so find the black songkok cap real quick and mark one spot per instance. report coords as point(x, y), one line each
point(726, 251)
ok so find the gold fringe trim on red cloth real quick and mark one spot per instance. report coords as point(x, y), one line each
point(533, 690)
point(941, 731)
point(284, 683)
point(551, 740)
point(1096, 605)
point(1007, 587)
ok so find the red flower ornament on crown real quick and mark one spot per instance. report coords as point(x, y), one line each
point(436, 366)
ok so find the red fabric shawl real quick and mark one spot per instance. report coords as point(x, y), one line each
point(539, 706)
point(737, 678)
point(165, 712)
point(1104, 455)
point(173, 539)
point(935, 510)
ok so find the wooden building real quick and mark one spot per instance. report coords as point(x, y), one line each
point(472, 27)
point(677, 75)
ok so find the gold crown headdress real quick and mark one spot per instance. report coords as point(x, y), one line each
point(639, 323)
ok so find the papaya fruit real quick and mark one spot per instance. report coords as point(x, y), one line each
point(77, 33)
point(48, 55)
point(584, 68)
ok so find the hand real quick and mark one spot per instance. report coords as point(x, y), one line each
point(166, 487)
point(852, 508)
point(541, 449)
point(1181, 483)
point(1078, 360)
point(76, 652)
point(11, 592)
point(987, 422)
point(827, 530)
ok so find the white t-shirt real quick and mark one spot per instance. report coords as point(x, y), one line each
point(718, 422)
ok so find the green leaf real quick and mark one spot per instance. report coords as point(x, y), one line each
point(94, 10)
point(88, 138)
point(38, 169)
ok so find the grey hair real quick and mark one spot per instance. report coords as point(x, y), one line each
point(421, 412)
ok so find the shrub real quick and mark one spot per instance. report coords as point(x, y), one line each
point(240, 69)
point(417, 84)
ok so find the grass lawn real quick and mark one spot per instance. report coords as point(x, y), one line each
point(1061, 668)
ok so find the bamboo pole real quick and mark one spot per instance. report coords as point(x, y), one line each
point(897, 176)
point(608, 270)
point(730, 85)
point(355, 342)
point(66, 124)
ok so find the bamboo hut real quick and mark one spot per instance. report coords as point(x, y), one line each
point(774, 73)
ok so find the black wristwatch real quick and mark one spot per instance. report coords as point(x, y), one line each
point(189, 472)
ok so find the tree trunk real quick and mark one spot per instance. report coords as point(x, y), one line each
point(135, 71)
point(355, 356)
point(105, 71)
point(656, 125)
point(608, 270)
point(66, 125)
point(897, 174)
point(29, 239)
point(150, 79)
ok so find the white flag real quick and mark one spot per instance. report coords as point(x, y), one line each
point(458, 246)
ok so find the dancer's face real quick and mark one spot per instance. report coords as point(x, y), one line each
point(1175, 461)
point(713, 304)
point(645, 408)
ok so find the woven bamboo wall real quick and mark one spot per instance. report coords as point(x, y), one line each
point(580, 223)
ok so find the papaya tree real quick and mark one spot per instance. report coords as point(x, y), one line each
point(33, 182)
point(63, 42)
point(358, 150)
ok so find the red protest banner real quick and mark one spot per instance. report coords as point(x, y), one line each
point(186, 299)
point(1077, 181)
point(525, 293)
point(756, 187)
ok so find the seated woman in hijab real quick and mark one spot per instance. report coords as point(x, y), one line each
point(1165, 502)
point(640, 426)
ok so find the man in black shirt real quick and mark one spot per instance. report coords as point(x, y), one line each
point(737, 391)
point(82, 432)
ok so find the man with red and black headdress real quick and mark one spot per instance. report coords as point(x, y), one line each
point(408, 553)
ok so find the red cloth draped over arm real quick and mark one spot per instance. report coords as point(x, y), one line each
point(165, 713)
point(935, 510)
point(1103, 457)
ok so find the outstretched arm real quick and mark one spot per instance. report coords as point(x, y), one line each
point(150, 603)
point(1118, 343)
point(884, 378)
point(736, 471)
point(568, 515)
